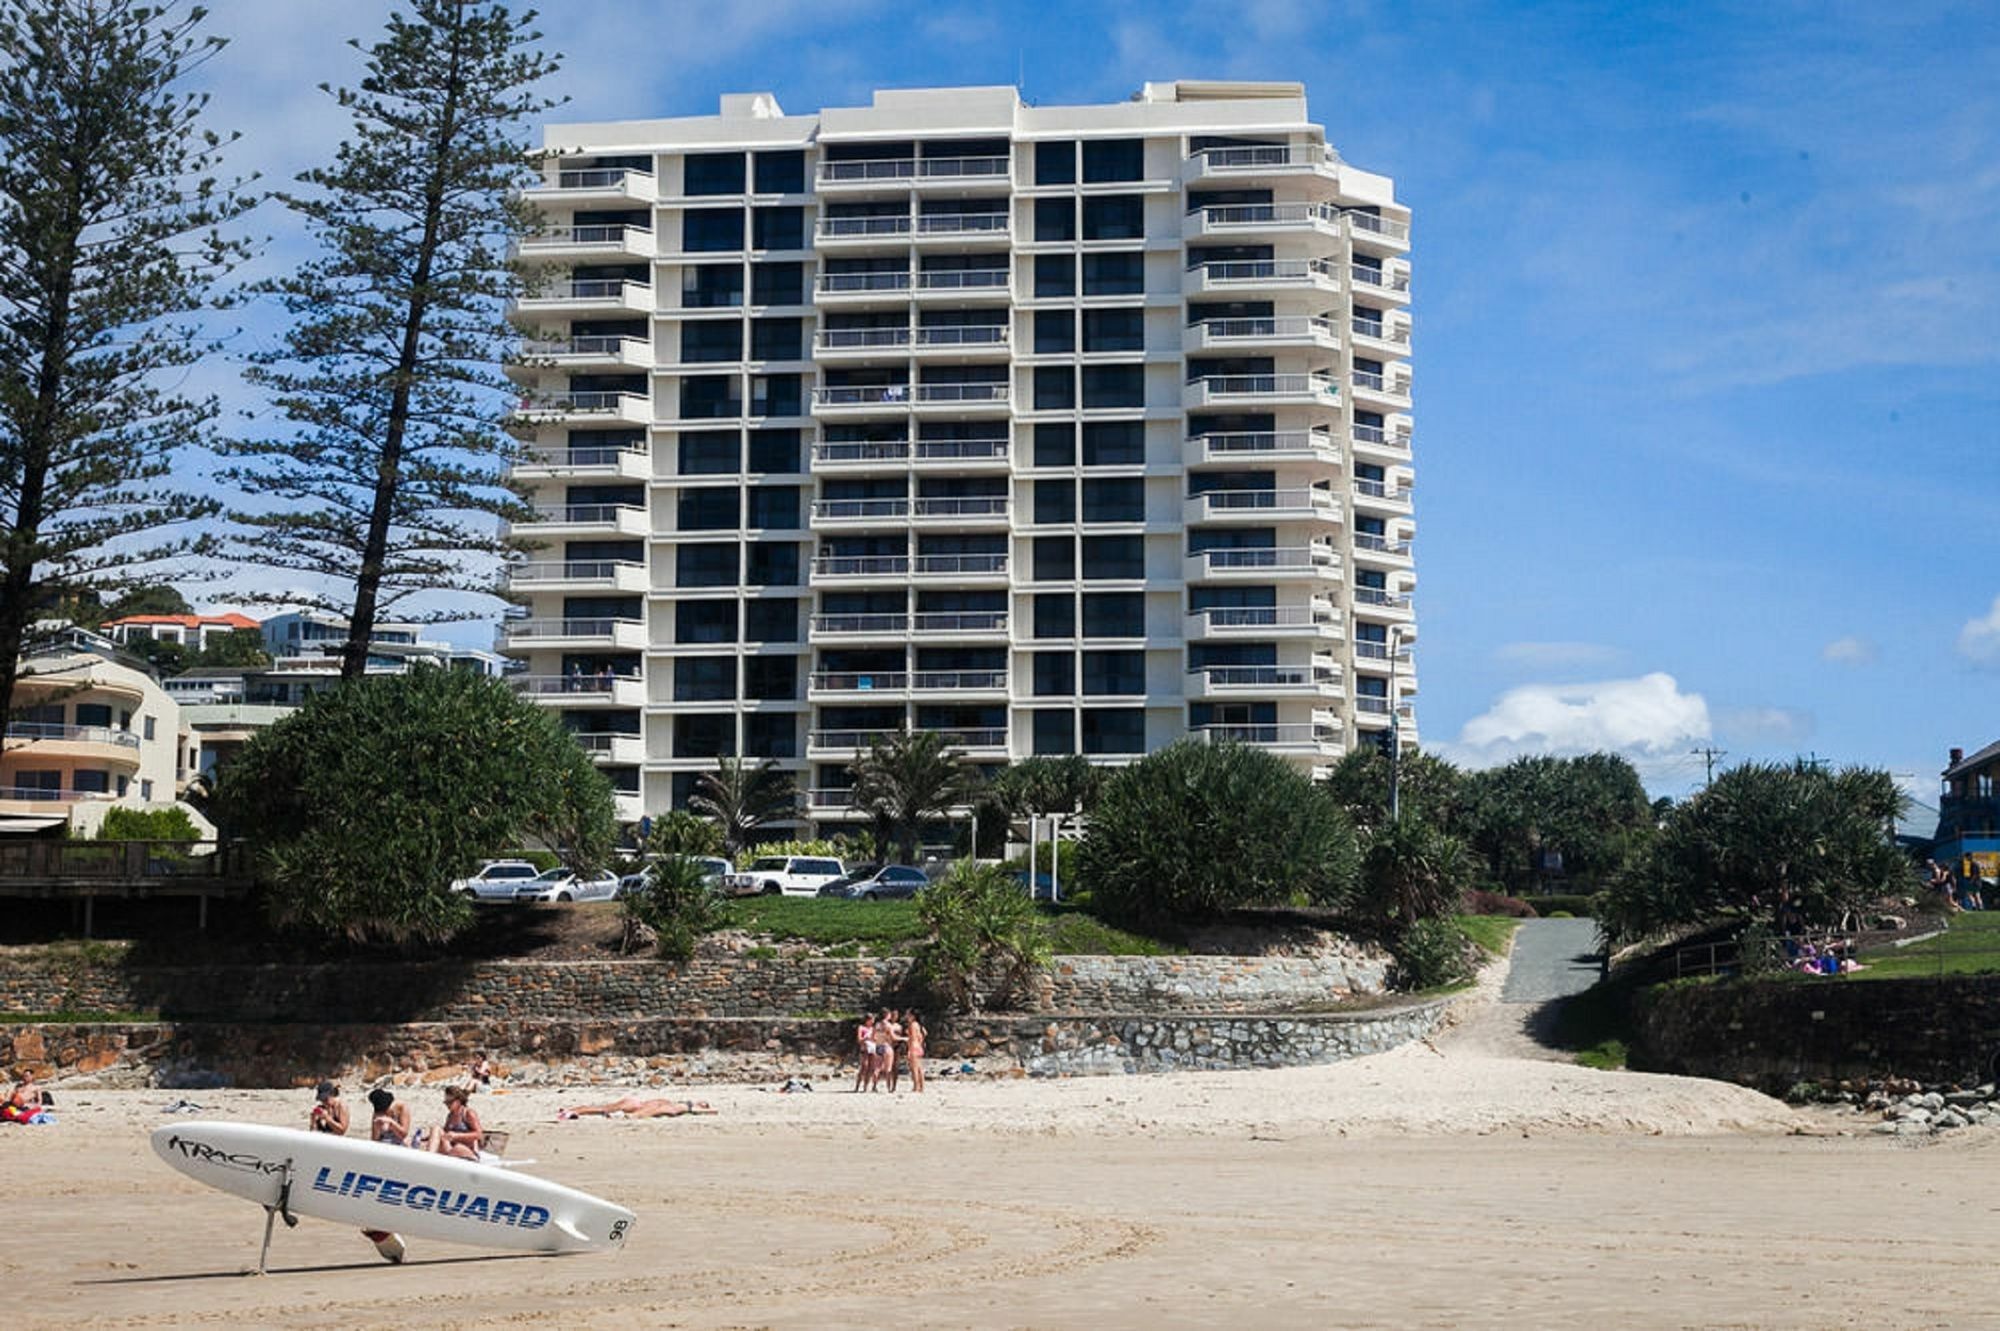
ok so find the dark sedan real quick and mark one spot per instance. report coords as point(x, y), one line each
point(878, 882)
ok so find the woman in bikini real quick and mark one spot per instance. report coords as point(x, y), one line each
point(913, 1048)
point(631, 1106)
point(864, 1049)
point(328, 1113)
point(25, 1104)
point(391, 1122)
point(462, 1132)
point(888, 1035)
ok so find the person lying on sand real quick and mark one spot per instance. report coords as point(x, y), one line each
point(632, 1106)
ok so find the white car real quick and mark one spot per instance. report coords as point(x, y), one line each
point(714, 869)
point(560, 884)
point(497, 880)
point(791, 875)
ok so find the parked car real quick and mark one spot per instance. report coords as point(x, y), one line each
point(879, 882)
point(713, 870)
point(497, 880)
point(560, 884)
point(791, 875)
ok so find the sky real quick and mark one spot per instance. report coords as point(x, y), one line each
point(1707, 318)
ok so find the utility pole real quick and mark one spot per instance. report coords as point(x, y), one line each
point(1709, 755)
point(1395, 730)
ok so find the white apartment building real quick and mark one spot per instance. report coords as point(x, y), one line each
point(1058, 429)
point(88, 732)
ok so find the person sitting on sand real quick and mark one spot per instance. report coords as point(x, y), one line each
point(479, 1072)
point(462, 1132)
point(24, 1104)
point(328, 1113)
point(632, 1106)
point(391, 1122)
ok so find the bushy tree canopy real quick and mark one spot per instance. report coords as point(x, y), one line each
point(1430, 788)
point(907, 779)
point(368, 801)
point(1196, 829)
point(1761, 832)
point(1592, 810)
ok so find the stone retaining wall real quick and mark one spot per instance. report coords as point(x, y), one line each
point(633, 990)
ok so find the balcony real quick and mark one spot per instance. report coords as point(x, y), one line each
point(962, 341)
point(1386, 496)
point(1303, 739)
point(860, 511)
point(589, 353)
point(859, 454)
point(1375, 441)
point(587, 296)
point(572, 243)
point(861, 568)
point(623, 575)
point(1373, 232)
point(965, 284)
point(1273, 162)
point(860, 626)
point(631, 462)
point(102, 744)
point(1381, 603)
point(860, 344)
point(586, 409)
point(971, 510)
point(619, 750)
point(1379, 549)
point(875, 683)
point(1261, 390)
point(837, 177)
point(860, 233)
point(1385, 392)
point(1371, 705)
point(1264, 681)
point(959, 455)
point(889, 288)
point(523, 634)
point(563, 519)
point(1262, 506)
point(19, 801)
point(1224, 276)
point(843, 402)
point(1389, 282)
point(1245, 219)
point(984, 624)
point(1265, 621)
point(1381, 335)
point(581, 690)
point(1241, 446)
point(1246, 334)
point(594, 186)
point(960, 568)
point(962, 399)
point(1282, 563)
point(830, 800)
point(964, 229)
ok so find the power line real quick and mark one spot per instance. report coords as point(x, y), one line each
point(1708, 756)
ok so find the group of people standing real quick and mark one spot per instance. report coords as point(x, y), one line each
point(876, 1042)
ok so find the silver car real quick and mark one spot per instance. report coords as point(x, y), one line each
point(560, 884)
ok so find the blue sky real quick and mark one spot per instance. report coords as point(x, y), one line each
point(1707, 318)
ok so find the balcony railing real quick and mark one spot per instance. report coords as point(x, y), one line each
point(1269, 214)
point(909, 168)
point(1382, 331)
point(586, 515)
point(850, 228)
point(959, 621)
point(1267, 676)
point(613, 346)
point(1263, 157)
point(1379, 226)
point(45, 730)
point(1379, 651)
point(1263, 616)
point(1380, 278)
point(1379, 490)
point(540, 686)
point(1265, 385)
point(571, 570)
point(43, 795)
point(588, 404)
point(837, 509)
point(858, 339)
point(1377, 382)
point(1238, 500)
point(960, 565)
point(861, 566)
point(590, 288)
point(528, 630)
point(1385, 545)
point(1380, 438)
point(834, 284)
point(1289, 734)
point(962, 450)
point(1283, 559)
point(1292, 328)
point(613, 234)
point(863, 739)
point(875, 623)
point(1381, 597)
point(961, 506)
point(963, 335)
point(959, 224)
point(867, 395)
point(1267, 270)
point(940, 394)
point(600, 177)
point(605, 456)
point(961, 279)
point(1240, 443)
point(861, 450)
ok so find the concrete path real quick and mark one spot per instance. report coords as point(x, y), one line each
point(1511, 1008)
point(1551, 959)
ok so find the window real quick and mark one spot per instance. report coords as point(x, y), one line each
point(148, 726)
point(1107, 160)
point(1113, 386)
point(1055, 219)
point(1055, 732)
point(1055, 559)
point(1055, 501)
point(706, 564)
point(90, 783)
point(771, 621)
point(1114, 730)
point(1114, 330)
point(1106, 499)
point(775, 507)
point(1106, 557)
point(1114, 674)
point(711, 286)
point(704, 678)
point(1055, 674)
point(1055, 615)
point(1114, 443)
point(1055, 163)
point(771, 735)
point(712, 173)
point(707, 508)
point(709, 397)
point(698, 735)
point(777, 395)
point(710, 453)
point(1114, 217)
point(774, 450)
point(775, 284)
point(1055, 332)
point(771, 677)
point(1055, 274)
point(1114, 615)
point(145, 789)
point(773, 564)
point(705, 621)
point(708, 230)
point(781, 173)
point(778, 228)
point(704, 340)
point(1055, 387)
point(93, 714)
point(1119, 273)
point(1055, 444)
point(777, 339)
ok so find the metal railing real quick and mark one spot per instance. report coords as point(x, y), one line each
point(1293, 733)
point(961, 279)
point(1264, 676)
point(837, 509)
point(1263, 616)
point(1266, 385)
point(572, 570)
point(963, 335)
point(100, 861)
point(1237, 500)
point(1300, 557)
point(848, 339)
point(586, 515)
point(588, 345)
point(1379, 437)
point(1381, 331)
point(1269, 214)
point(833, 284)
point(869, 395)
point(1266, 270)
point(1266, 156)
point(969, 393)
point(1290, 326)
point(599, 177)
point(960, 565)
point(34, 730)
point(1380, 226)
point(1377, 596)
point(590, 288)
point(613, 233)
point(961, 506)
point(1378, 382)
point(861, 450)
point(962, 450)
point(861, 566)
point(835, 228)
point(531, 629)
point(550, 685)
point(1384, 545)
point(1264, 441)
point(952, 224)
point(609, 456)
point(908, 168)
point(1383, 279)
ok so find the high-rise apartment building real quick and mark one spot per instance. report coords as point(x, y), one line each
point(1058, 429)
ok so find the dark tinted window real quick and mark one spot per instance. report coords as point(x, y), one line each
point(1055, 274)
point(707, 508)
point(1055, 674)
point(1114, 386)
point(1114, 615)
point(1055, 558)
point(1055, 615)
point(771, 621)
point(1114, 673)
point(1055, 501)
point(778, 228)
point(773, 564)
point(705, 621)
point(1114, 443)
point(705, 230)
point(1055, 732)
point(1055, 219)
point(777, 339)
point(1106, 557)
point(1108, 499)
point(712, 173)
point(1114, 730)
point(711, 340)
point(1055, 444)
point(709, 397)
point(1106, 160)
point(776, 284)
point(1055, 331)
point(710, 452)
point(781, 173)
point(770, 677)
point(704, 678)
point(775, 507)
point(1114, 330)
point(1055, 387)
point(1120, 273)
point(704, 736)
point(705, 564)
point(1114, 217)
point(771, 735)
point(774, 450)
point(1055, 163)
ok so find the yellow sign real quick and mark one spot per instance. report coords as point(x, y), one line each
point(1984, 863)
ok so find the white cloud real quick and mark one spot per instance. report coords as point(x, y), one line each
point(1555, 655)
point(1647, 717)
point(1979, 640)
point(1849, 651)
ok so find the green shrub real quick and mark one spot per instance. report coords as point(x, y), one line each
point(677, 903)
point(979, 927)
point(1411, 871)
point(680, 832)
point(1431, 953)
point(826, 849)
point(1197, 829)
point(1481, 902)
point(123, 824)
point(1576, 904)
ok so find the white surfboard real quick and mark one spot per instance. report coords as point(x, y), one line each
point(374, 1186)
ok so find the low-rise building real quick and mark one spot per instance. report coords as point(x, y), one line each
point(1968, 829)
point(88, 731)
point(191, 631)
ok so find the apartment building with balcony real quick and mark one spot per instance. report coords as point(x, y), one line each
point(1058, 429)
point(88, 732)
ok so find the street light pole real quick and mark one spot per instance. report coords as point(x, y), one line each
point(1395, 731)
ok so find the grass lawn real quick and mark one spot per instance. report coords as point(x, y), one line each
point(1491, 932)
point(891, 928)
point(1971, 946)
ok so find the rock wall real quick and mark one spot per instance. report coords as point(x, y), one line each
point(1772, 1034)
point(633, 990)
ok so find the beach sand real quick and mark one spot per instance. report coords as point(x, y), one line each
point(1441, 1185)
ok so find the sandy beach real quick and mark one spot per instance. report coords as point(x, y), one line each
point(1450, 1184)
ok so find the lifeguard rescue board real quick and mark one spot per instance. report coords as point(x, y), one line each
point(374, 1186)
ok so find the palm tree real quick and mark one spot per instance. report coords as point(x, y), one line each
point(908, 778)
point(1412, 871)
point(741, 798)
